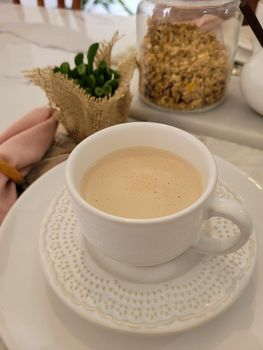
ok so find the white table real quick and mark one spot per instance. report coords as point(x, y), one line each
point(33, 37)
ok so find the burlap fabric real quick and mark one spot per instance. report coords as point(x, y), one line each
point(79, 113)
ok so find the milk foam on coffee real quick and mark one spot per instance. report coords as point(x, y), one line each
point(141, 183)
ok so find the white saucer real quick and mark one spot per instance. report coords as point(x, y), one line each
point(33, 318)
point(169, 298)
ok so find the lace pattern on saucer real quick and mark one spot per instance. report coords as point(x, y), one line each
point(198, 292)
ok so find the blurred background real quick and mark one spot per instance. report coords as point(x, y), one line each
point(115, 7)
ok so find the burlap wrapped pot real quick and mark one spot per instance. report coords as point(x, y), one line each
point(82, 114)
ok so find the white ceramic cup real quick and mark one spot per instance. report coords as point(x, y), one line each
point(145, 242)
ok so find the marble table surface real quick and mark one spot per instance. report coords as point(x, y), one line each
point(32, 37)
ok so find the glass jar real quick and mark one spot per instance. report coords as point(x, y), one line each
point(185, 51)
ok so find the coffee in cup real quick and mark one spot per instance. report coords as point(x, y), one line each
point(141, 183)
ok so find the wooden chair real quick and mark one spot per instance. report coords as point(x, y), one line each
point(253, 4)
point(76, 4)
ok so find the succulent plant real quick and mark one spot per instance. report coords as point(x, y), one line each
point(99, 82)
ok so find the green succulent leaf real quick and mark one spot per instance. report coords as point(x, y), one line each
point(75, 73)
point(64, 68)
point(113, 83)
point(91, 81)
point(100, 81)
point(102, 66)
point(81, 69)
point(79, 59)
point(107, 90)
point(92, 51)
point(98, 91)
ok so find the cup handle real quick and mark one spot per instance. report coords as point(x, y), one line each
point(234, 212)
